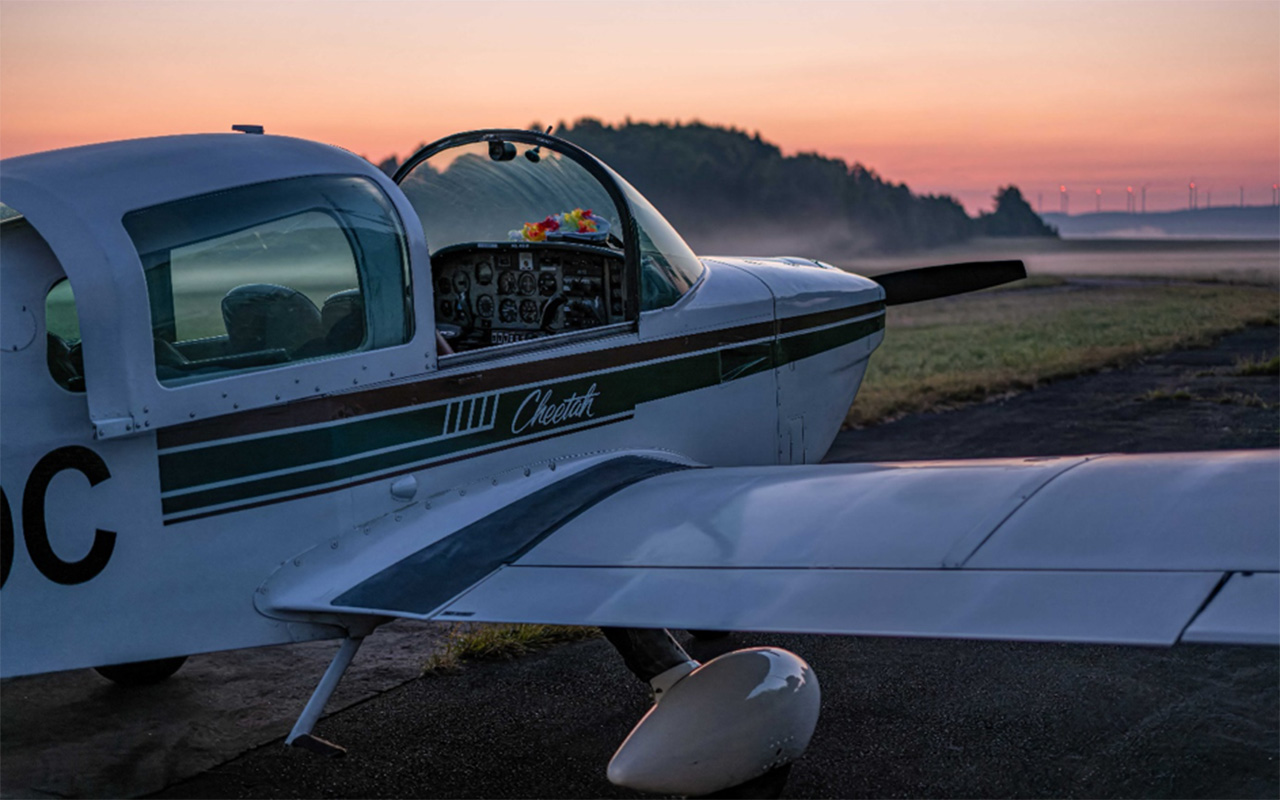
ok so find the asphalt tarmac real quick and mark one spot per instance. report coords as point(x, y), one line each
point(901, 718)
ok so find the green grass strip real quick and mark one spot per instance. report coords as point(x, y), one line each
point(479, 642)
point(973, 347)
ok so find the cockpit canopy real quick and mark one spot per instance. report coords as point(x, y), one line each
point(531, 236)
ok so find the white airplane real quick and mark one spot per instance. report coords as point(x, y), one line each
point(256, 392)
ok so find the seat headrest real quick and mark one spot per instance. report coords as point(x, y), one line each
point(339, 306)
point(263, 316)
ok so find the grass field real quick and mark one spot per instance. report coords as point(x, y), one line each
point(972, 347)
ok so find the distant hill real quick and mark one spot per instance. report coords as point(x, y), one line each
point(733, 193)
point(1249, 222)
point(1012, 217)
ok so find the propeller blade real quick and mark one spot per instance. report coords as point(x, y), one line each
point(927, 283)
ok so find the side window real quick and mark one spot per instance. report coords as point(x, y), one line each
point(274, 273)
point(660, 284)
point(62, 326)
point(61, 323)
point(668, 268)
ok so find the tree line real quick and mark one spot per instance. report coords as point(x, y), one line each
point(722, 187)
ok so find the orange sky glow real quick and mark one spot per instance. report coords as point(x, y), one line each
point(956, 98)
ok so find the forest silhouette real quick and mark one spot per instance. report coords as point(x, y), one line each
point(731, 192)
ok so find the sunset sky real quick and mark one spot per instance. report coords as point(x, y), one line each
point(956, 97)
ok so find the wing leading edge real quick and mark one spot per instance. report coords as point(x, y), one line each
point(1150, 549)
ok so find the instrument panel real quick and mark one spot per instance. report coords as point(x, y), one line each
point(498, 293)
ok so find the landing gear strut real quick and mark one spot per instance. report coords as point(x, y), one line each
point(648, 652)
point(301, 735)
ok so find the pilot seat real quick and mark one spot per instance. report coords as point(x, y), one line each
point(262, 317)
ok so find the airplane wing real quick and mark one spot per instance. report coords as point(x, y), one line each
point(1134, 549)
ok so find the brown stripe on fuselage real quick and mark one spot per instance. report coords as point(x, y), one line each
point(821, 318)
point(478, 380)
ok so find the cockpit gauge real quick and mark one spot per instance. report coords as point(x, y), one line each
point(502, 293)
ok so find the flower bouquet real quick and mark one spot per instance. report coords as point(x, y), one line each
point(578, 225)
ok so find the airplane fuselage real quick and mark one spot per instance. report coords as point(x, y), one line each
point(128, 545)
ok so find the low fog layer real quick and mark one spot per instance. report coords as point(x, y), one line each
point(1249, 222)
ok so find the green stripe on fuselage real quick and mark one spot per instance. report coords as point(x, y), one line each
point(804, 345)
point(739, 362)
point(521, 413)
point(221, 462)
point(422, 435)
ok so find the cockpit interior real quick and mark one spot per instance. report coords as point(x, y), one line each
point(536, 246)
point(496, 293)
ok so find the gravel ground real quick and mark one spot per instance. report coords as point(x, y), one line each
point(901, 718)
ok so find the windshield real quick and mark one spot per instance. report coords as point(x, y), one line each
point(462, 195)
